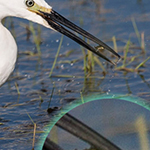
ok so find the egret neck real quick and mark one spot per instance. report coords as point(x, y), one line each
point(8, 53)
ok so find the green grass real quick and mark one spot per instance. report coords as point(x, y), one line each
point(54, 63)
point(140, 37)
point(128, 61)
point(17, 88)
point(115, 44)
point(36, 36)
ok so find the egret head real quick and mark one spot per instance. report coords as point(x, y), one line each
point(26, 9)
point(40, 12)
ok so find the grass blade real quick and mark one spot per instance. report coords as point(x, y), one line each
point(54, 63)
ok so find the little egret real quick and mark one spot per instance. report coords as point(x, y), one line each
point(42, 13)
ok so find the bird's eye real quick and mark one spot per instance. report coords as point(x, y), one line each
point(29, 3)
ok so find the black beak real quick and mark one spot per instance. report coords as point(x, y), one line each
point(56, 21)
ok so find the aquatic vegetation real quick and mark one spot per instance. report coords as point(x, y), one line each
point(36, 36)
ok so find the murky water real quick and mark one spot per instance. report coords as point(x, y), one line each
point(104, 19)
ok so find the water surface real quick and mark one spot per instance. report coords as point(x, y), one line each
point(104, 19)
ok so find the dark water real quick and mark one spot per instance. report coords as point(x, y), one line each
point(104, 19)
